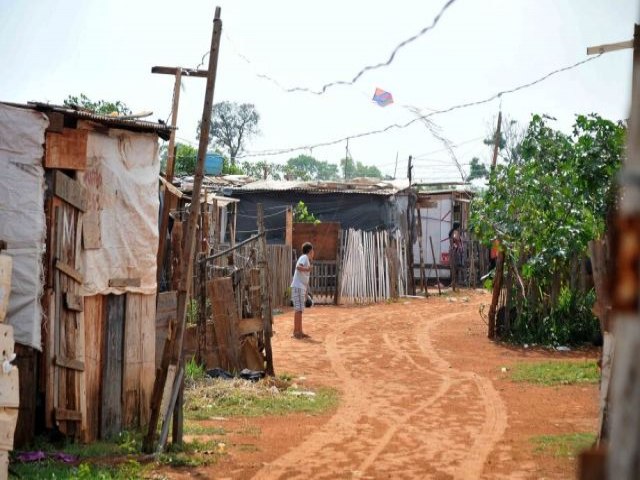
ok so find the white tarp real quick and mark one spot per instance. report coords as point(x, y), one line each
point(22, 219)
point(122, 185)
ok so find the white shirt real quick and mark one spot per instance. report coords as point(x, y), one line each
point(301, 279)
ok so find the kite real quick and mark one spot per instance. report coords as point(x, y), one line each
point(382, 98)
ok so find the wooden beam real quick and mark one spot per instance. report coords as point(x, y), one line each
point(68, 363)
point(609, 47)
point(69, 190)
point(69, 271)
point(189, 72)
point(265, 291)
point(124, 282)
point(73, 301)
point(68, 415)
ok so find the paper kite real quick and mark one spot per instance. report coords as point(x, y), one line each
point(382, 98)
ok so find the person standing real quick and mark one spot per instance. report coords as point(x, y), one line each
point(299, 286)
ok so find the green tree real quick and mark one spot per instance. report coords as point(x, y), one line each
point(103, 107)
point(511, 136)
point(477, 169)
point(232, 125)
point(301, 214)
point(185, 161)
point(259, 169)
point(305, 167)
point(353, 169)
point(544, 209)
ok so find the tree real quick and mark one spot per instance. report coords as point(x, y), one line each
point(301, 214)
point(185, 161)
point(261, 168)
point(477, 169)
point(306, 168)
point(103, 107)
point(352, 169)
point(545, 208)
point(233, 124)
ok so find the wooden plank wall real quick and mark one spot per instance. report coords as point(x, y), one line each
point(139, 358)
point(94, 320)
point(280, 273)
point(111, 404)
point(225, 318)
point(323, 236)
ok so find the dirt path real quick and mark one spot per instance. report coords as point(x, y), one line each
point(422, 396)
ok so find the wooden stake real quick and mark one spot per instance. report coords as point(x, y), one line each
point(497, 287)
point(423, 278)
point(435, 264)
point(173, 347)
point(265, 291)
point(496, 141)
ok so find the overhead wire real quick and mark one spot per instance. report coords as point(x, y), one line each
point(273, 152)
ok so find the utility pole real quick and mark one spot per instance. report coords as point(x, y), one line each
point(496, 141)
point(346, 160)
point(411, 205)
point(395, 169)
point(623, 457)
point(177, 72)
point(172, 354)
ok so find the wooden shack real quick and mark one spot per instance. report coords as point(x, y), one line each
point(79, 212)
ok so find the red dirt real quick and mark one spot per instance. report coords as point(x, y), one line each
point(422, 396)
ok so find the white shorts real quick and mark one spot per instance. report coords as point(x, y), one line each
point(299, 296)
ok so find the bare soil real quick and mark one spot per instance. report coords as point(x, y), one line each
point(422, 395)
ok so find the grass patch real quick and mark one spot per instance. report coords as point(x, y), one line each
point(193, 370)
point(229, 398)
point(556, 373)
point(50, 470)
point(567, 445)
point(192, 428)
point(192, 454)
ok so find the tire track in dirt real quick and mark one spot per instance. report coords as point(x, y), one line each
point(373, 427)
point(495, 422)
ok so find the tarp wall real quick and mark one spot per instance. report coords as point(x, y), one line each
point(22, 219)
point(351, 210)
point(122, 182)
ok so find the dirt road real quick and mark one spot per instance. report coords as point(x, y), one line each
point(422, 396)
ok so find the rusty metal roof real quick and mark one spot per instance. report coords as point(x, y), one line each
point(355, 186)
point(125, 123)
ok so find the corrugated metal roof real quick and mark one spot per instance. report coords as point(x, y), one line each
point(361, 186)
point(161, 129)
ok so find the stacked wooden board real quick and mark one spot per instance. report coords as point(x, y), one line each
point(9, 384)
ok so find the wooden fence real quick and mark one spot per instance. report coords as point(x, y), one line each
point(373, 266)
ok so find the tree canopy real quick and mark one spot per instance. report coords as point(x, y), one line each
point(477, 169)
point(353, 169)
point(103, 107)
point(232, 125)
point(305, 167)
point(545, 207)
point(185, 161)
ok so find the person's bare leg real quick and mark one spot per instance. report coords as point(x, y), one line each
point(297, 324)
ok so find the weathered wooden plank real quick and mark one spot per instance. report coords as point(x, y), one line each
point(6, 339)
point(73, 301)
point(71, 364)
point(124, 282)
point(226, 321)
point(69, 271)
point(248, 326)
point(91, 233)
point(94, 328)
point(70, 190)
point(167, 307)
point(111, 416)
point(4, 465)
point(8, 421)
point(63, 414)
point(28, 364)
point(6, 263)
point(10, 389)
point(139, 358)
point(67, 150)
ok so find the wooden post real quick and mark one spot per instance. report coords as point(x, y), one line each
point(173, 347)
point(202, 312)
point(288, 236)
point(177, 72)
point(265, 291)
point(497, 287)
point(435, 265)
point(423, 278)
point(496, 141)
point(411, 288)
point(624, 445)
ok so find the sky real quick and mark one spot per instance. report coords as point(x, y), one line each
point(105, 49)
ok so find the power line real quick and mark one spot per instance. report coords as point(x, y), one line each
point(272, 152)
point(364, 70)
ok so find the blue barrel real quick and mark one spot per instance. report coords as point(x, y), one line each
point(213, 164)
